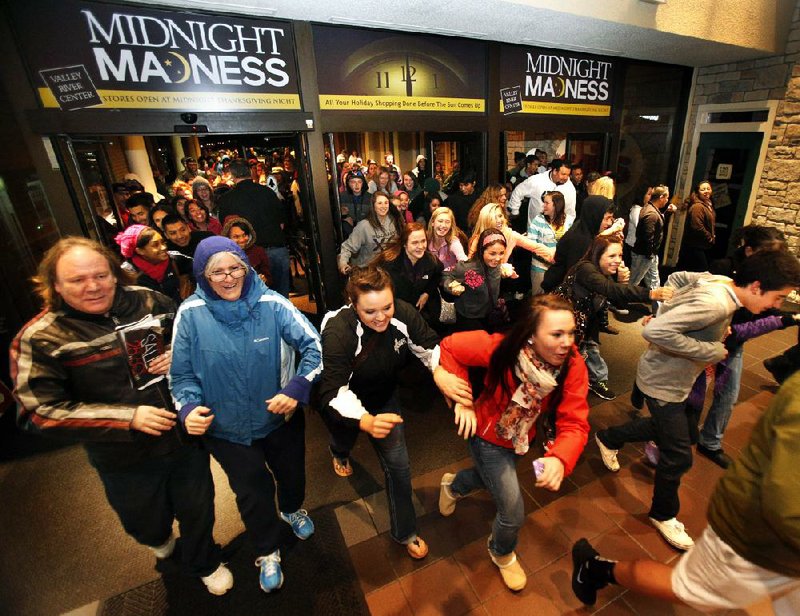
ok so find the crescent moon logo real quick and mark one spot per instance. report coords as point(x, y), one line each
point(187, 70)
point(563, 87)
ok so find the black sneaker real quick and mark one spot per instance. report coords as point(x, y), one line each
point(584, 587)
point(602, 390)
point(609, 329)
point(717, 456)
point(777, 368)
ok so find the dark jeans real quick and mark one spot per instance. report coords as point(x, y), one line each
point(693, 259)
point(673, 427)
point(280, 270)
point(283, 451)
point(393, 456)
point(149, 495)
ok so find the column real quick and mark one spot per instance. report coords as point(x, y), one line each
point(177, 152)
point(139, 161)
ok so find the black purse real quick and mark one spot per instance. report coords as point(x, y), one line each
point(581, 307)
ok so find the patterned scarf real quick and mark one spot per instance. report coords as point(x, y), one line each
point(537, 380)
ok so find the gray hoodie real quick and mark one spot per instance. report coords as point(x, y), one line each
point(365, 242)
point(686, 335)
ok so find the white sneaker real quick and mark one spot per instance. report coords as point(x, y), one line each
point(447, 500)
point(609, 456)
point(219, 582)
point(674, 532)
point(166, 549)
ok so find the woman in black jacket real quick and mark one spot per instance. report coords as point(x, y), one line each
point(600, 277)
point(415, 272)
point(597, 215)
point(364, 345)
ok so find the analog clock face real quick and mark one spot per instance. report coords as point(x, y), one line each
point(402, 75)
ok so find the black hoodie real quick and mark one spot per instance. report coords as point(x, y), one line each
point(575, 242)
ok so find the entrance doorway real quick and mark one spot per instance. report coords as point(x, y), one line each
point(728, 161)
point(94, 165)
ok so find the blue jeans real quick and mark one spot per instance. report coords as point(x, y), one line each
point(279, 268)
point(726, 393)
point(393, 456)
point(598, 369)
point(495, 470)
point(645, 268)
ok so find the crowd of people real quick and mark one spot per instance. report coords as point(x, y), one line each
point(430, 277)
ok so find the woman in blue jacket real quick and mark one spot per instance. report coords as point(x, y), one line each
point(234, 383)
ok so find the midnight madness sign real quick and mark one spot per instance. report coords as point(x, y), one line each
point(83, 54)
point(558, 82)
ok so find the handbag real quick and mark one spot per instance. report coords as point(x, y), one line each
point(581, 307)
point(447, 313)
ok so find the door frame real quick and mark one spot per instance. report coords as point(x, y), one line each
point(702, 125)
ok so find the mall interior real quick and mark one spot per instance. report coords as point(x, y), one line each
point(651, 91)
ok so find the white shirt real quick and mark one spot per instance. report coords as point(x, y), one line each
point(532, 189)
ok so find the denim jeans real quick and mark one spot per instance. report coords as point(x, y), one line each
point(645, 268)
point(495, 470)
point(670, 426)
point(393, 456)
point(150, 494)
point(726, 393)
point(598, 369)
point(279, 268)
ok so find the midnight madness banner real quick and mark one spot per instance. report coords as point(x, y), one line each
point(558, 82)
point(85, 54)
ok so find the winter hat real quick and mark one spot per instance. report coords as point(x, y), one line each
point(127, 240)
point(431, 185)
point(207, 249)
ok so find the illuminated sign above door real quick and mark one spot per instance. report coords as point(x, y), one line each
point(86, 54)
point(369, 70)
point(558, 82)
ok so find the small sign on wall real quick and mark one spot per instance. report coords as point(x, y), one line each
point(724, 171)
point(512, 99)
point(71, 87)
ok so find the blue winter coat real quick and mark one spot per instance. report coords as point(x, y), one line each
point(233, 356)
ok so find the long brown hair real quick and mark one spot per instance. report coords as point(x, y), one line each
point(504, 357)
point(559, 205)
point(393, 214)
point(490, 195)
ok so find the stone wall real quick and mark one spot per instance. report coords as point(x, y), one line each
point(775, 78)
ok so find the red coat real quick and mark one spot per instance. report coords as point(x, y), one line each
point(475, 348)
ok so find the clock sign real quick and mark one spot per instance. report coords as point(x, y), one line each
point(377, 71)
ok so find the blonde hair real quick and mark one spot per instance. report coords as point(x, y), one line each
point(604, 187)
point(452, 233)
point(487, 219)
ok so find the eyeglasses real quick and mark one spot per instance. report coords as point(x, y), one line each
point(235, 273)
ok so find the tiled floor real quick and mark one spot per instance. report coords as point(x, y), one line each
point(457, 577)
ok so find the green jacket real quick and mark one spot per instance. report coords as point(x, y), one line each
point(755, 507)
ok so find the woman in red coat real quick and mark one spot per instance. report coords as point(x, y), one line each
point(532, 369)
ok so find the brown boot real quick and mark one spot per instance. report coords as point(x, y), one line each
point(510, 569)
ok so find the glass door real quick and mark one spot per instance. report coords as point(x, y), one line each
point(454, 154)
